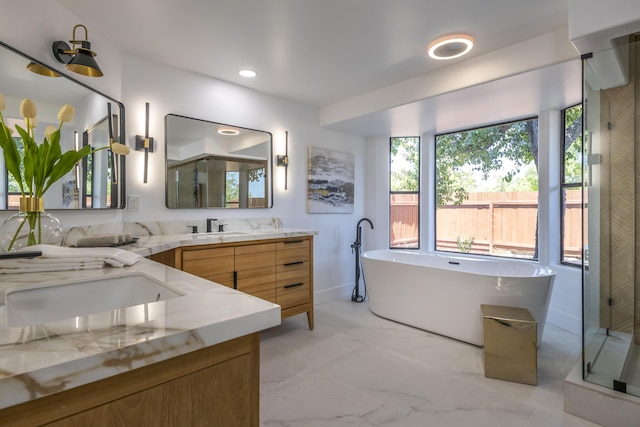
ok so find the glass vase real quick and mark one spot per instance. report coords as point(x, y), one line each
point(32, 225)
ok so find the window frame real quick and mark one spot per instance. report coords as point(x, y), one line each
point(435, 190)
point(564, 185)
point(418, 193)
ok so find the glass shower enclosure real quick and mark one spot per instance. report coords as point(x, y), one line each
point(611, 195)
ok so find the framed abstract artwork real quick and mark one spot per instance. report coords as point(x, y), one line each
point(331, 181)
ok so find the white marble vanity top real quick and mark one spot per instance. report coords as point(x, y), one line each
point(43, 359)
point(148, 245)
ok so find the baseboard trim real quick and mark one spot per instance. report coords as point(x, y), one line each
point(326, 295)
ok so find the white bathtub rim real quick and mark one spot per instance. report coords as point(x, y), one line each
point(543, 270)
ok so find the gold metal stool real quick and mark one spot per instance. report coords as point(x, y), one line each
point(510, 344)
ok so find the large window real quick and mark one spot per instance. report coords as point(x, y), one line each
point(487, 190)
point(404, 197)
point(571, 185)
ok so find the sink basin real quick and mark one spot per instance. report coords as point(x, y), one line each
point(43, 303)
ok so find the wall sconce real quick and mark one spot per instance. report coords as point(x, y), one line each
point(283, 160)
point(144, 143)
point(79, 59)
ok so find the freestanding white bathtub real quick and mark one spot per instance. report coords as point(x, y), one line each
point(442, 293)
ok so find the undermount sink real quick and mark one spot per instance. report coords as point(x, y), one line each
point(44, 303)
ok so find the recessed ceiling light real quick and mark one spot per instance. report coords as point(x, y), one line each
point(449, 47)
point(228, 131)
point(247, 73)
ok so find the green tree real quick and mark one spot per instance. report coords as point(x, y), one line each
point(405, 175)
point(486, 150)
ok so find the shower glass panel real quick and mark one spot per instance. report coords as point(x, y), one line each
point(611, 335)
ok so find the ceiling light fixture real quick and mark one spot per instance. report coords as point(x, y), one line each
point(79, 59)
point(451, 46)
point(247, 73)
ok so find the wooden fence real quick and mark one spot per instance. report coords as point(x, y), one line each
point(488, 223)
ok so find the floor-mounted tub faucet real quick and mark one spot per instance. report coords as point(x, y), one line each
point(355, 246)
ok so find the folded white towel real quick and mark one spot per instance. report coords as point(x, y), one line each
point(23, 265)
point(57, 258)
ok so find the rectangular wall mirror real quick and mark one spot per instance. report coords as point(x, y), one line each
point(213, 165)
point(89, 124)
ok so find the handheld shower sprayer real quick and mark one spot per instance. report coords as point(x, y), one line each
point(355, 247)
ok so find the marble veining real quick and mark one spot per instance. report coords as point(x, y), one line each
point(357, 369)
point(38, 360)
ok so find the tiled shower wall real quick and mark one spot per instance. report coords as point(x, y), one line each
point(620, 203)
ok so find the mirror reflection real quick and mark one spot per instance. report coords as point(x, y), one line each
point(213, 165)
point(49, 94)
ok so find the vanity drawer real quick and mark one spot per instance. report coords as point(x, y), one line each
point(291, 255)
point(294, 266)
point(293, 294)
point(301, 244)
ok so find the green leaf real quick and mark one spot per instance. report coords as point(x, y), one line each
point(65, 164)
point(11, 156)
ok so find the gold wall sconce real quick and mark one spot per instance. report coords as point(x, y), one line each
point(80, 58)
point(283, 160)
point(145, 143)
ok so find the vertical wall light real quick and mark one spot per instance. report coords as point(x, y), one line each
point(76, 145)
point(114, 160)
point(145, 143)
point(283, 160)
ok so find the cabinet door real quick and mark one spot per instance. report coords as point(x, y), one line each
point(256, 270)
point(215, 264)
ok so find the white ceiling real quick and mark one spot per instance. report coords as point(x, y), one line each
point(323, 52)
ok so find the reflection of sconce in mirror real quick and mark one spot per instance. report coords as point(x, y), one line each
point(144, 143)
point(37, 68)
point(283, 160)
point(114, 160)
point(79, 59)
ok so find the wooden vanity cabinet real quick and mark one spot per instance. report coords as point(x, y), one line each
point(276, 270)
point(217, 386)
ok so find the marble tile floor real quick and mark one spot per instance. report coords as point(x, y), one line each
point(357, 369)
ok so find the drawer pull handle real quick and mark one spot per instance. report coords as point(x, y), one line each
point(293, 241)
point(294, 285)
point(293, 263)
point(235, 280)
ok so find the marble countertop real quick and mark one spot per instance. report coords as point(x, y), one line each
point(43, 359)
point(151, 244)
